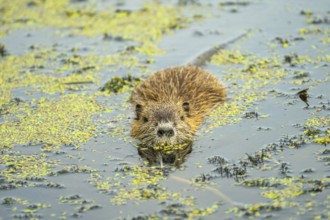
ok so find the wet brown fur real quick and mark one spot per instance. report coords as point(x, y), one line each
point(182, 96)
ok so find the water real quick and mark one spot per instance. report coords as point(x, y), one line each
point(108, 153)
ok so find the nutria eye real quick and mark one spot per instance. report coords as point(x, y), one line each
point(145, 120)
point(138, 110)
point(185, 106)
point(182, 117)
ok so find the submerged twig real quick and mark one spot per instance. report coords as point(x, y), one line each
point(209, 188)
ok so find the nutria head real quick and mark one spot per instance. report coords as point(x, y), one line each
point(162, 124)
point(170, 106)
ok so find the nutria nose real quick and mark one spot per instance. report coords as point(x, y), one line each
point(165, 132)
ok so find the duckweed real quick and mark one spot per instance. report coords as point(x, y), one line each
point(145, 25)
point(318, 129)
point(246, 82)
point(230, 57)
point(292, 190)
point(12, 66)
point(28, 70)
point(144, 183)
point(13, 201)
point(120, 84)
point(281, 192)
point(314, 30)
point(24, 166)
point(66, 120)
point(179, 211)
point(320, 122)
point(255, 210)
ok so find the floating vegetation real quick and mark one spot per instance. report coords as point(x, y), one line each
point(12, 66)
point(73, 169)
point(250, 115)
point(51, 123)
point(22, 167)
point(247, 83)
point(283, 42)
point(83, 204)
point(145, 25)
point(227, 169)
point(320, 122)
point(313, 19)
point(281, 192)
point(120, 84)
point(239, 170)
point(180, 211)
point(143, 186)
point(166, 154)
point(9, 185)
point(9, 201)
point(74, 200)
point(260, 182)
point(300, 74)
point(318, 130)
point(255, 210)
point(28, 70)
point(314, 30)
point(28, 211)
point(284, 169)
point(27, 214)
point(231, 57)
point(294, 59)
point(50, 185)
point(144, 183)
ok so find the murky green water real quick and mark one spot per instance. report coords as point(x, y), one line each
point(65, 147)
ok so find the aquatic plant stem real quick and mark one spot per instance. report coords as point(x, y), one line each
point(223, 196)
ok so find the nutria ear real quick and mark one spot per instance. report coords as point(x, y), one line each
point(185, 106)
point(138, 110)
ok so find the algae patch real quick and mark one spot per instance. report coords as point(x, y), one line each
point(120, 84)
point(51, 123)
point(24, 166)
point(11, 69)
point(247, 82)
point(145, 25)
point(282, 193)
point(50, 72)
point(139, 184)
point(318, 129)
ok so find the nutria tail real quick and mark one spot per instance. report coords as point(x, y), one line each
point(205, 57)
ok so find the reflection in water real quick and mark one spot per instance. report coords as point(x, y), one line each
point(170, 155)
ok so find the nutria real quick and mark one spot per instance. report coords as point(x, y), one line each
point(171, 105)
